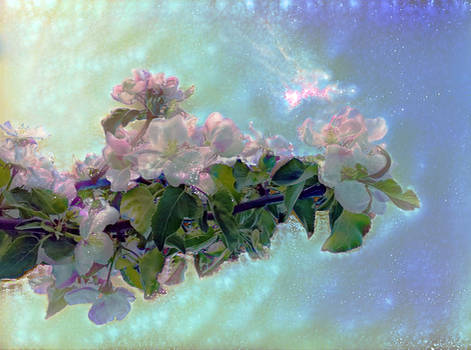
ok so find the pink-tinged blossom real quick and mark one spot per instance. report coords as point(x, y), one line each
point(40, 278)
point(257, 144)
point(345, 129)
point(106, 307)
point(135, 89)
point(167, 149)
point(119, 153)
point(86, 169)
point(222, 135)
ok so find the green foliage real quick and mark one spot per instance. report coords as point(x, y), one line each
point(138, 205)
point(222, 206)
point(19, 257)
point(245, 177)
point(347, 232)
point(49, 202)
point(291, 195)
point(150, 265)
point(176, 270)
point(266, 162)
point(293, 172)
point(58, 249)
point(305, 212)
point(223, 177)
point(56, 301)
point(207, 262)
point(22, 200)
point(198, 240)
point(405, 200)
point(5, 241)
point(5, 175)
point(176, 241)
point(121, 117)
point(174, 205)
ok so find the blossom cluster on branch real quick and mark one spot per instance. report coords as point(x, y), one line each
point(166, 191)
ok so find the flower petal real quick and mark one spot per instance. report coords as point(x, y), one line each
point(81, 296)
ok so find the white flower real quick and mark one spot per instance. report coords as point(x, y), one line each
point(167, 150)
point(98, 247)
point(106, 307)
point(341, 170)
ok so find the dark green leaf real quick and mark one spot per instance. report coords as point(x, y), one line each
point(293, 172)
point(58, 249)
point(222, 206)
point(203, 221)
point(305, 212)
point(267, 226)
point(174, 205)
point(138, 205)
point(176, 241)
point(20, 257)
point(291, 195)
point(150, 265)
point(347, 232)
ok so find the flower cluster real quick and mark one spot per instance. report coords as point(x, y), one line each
point(166, 191)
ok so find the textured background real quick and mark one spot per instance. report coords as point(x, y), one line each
point(407, 287)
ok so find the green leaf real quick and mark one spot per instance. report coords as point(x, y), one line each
point(267, 225)
point(293, 172)
point(245, 177)
point(5, 241)
point(132, 276)
point(176, 271)
point(56, 301)
point(58, 249)
point(249, 218)
point(121, 117)
point(5, 175)
point(174, 205)
point(176, 241)
point(222, 206)
point(206, 263)
point(223, 177)
point(267, 162)
point(335, 211)
point(138, 205)
point(49, 202)
point(305, 212)
point(203, 221)
point(347, 232)
point(29, 226)
point(22, 200)
point(150, 265)
point(291, 195)
point(405, 200)
point(198, 240)
point(20, 257)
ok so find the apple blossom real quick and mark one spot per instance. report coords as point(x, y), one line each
point(106, 306)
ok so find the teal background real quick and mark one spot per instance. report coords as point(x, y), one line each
point(407, 287)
